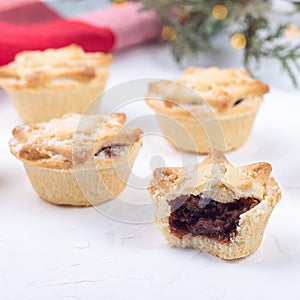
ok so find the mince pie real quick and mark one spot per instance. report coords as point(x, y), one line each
point(208, 108)
point(77, 160)
point(215, 207)
point(47, 84)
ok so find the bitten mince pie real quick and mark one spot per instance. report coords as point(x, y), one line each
point(78, 160)
point(208, 108)
point(215, 207)
point(47, 84)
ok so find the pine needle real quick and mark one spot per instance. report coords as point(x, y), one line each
point(195, 28)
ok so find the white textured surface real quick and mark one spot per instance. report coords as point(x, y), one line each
point(49, 252)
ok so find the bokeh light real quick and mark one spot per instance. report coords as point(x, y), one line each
point(238, 41)
point(292, 31)
point(183, 15)
point(219, 12)
point(168, 33)
point(120, 4)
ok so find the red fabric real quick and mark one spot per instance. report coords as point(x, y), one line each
point(130, 25)
point(29, 13)
point(9, 4)
point(33, 25)
point(15, 38)
point(20, 30)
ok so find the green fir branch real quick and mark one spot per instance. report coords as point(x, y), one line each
point(250, 17)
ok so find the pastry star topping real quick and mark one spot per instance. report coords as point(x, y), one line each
point(214, 206)
point(38, 68)
point(216, 178)
point(207, 109)
point(220, 88)
point(74, 138)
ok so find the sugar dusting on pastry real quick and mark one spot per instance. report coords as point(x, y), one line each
point(74, 138)
point(216, 207)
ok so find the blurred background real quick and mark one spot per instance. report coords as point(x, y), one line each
point(256, 34)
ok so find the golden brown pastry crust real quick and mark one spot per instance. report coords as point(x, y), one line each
point(217, 179)
point(212, 108)
point(71, 140)
point(83, 186)
point(220, 88)
point(54, 68)
point(214, 178)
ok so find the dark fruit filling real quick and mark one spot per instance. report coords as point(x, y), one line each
point(202, 216)
point(237, 102)
point(110, 151)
